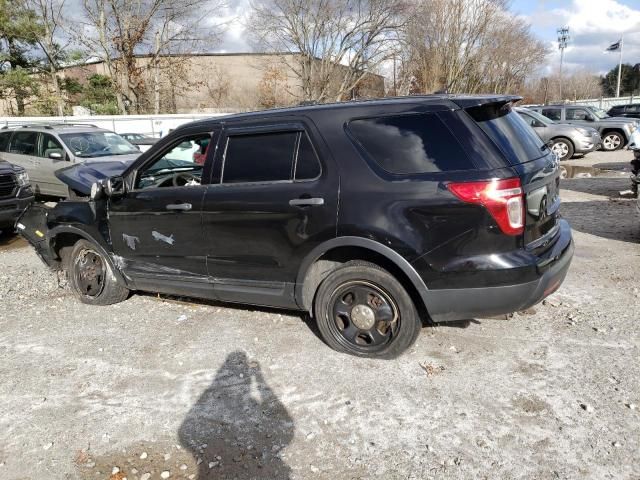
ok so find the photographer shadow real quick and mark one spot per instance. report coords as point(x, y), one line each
point(238, 427)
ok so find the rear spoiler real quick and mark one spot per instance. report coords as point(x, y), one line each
point(484, 100)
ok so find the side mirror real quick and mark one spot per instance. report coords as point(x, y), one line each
point(55, 156)
point(538, 124)
point(114, 187)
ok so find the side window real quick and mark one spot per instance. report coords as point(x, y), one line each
point(307, 164)
point(552, 113)
point(24, 143)
point(180, 166)
point(265, 157)
point(576, 114)
point(528, 119)
point(410, 144)
point(630, 109)
point(4, 141)
point(50, 145)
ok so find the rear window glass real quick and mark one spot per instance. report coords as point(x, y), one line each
point(4, 141)
point(509, 132)
point(552, 113)
point(264, 157)
point(410, 144)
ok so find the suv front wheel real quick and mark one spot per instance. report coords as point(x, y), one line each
point(363, 310)
point(91, 277)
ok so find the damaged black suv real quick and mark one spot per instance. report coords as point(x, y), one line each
point(372, 216)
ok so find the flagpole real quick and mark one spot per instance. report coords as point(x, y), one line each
point(619, 69)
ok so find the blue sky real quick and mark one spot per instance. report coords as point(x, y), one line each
point(593, 24)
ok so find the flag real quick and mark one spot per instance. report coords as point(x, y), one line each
point(614, 47)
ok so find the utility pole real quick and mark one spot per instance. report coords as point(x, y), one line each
point(156, 77)
point(563, 40)
point(619, 70)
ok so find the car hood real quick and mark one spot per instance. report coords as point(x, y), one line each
point(81, 176)
point(6, 167)
point(617, 120)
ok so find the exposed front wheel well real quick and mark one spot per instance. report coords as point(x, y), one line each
point(338, 256)
point(63, 244)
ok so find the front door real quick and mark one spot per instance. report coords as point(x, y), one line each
point(271, 202)
point(156, 227)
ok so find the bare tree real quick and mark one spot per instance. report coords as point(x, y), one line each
point(119, 31)
point(47, 33)
point(330, 45)
point(467, 46)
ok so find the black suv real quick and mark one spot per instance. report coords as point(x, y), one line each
point(369, 215)
point(631, 110)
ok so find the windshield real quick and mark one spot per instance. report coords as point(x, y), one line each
point(97, 144)
point(599, 113)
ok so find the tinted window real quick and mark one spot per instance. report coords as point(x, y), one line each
point(552, 113)
point(263, 157)
point(50, 145)
point(410, 144)
point(633, 108)
point(576, 114)
point(308, 165)
point(509, 132)
point(528, 119)
point(24, 143)
point(4, 141)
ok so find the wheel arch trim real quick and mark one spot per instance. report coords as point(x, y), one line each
point(367, 244)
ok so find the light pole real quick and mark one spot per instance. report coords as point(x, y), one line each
point(563, 40)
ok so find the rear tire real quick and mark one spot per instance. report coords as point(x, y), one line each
point(91, 277)
point(563, 148)
point(362, 310)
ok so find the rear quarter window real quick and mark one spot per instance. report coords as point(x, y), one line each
point(410, 144)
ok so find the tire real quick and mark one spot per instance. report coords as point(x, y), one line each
point(563, 148)
point(612, 141)
point(91, 277)
point(362, 310)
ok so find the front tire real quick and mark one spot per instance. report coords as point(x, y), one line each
point(563, 148)
point(612, 141)
point(362, 310)
point(91, 277)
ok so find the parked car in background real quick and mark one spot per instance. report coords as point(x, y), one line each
point(15, 193)
point(565, 139)
point(615, 131)
point(143, 142)
point(362, 213)
point(42, 149)
point(631, 110)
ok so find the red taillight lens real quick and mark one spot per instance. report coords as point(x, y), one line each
point(502, 198)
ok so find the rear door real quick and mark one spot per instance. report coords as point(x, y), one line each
point(22, 151)
point(274, 200)
point(532, 160)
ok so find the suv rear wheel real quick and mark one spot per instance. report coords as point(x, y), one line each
point(91, 277)
point(363, 310)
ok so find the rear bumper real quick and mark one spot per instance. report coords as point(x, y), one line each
point(466, 303)
point(11, 209)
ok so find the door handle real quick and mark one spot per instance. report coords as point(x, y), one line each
point(179, 206)
point(306, 202)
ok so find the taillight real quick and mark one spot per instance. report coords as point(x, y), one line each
point(502, 198)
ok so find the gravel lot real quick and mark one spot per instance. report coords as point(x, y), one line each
point(156, 386)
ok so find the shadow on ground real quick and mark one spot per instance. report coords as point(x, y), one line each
point(612, 219)
point(237, 429)
point(10, 241)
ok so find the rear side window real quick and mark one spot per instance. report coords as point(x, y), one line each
point(4, 141)
point(552, 113)
point(24, 143)
point(307, 164)
point(511, 134)
point(633, 108)
point(266, 157)
point(410, 144)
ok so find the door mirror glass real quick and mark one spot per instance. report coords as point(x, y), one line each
point(114, 187)
point(55, 156)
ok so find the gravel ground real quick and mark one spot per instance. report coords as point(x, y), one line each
point(160, 388)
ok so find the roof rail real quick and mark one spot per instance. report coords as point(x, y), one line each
point(48, 125)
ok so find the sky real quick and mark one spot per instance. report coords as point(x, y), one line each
point(593, 26)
